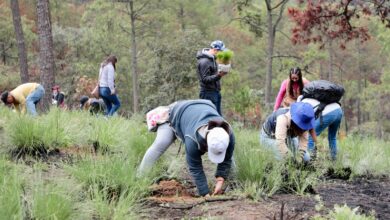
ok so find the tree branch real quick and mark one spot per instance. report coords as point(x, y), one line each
point(277, 5)
point(287, 56)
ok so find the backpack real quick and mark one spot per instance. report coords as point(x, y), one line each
point(325, 92)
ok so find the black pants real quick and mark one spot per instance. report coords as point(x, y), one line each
point(214, 97)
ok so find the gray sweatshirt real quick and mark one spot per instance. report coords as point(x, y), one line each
point(107, 76)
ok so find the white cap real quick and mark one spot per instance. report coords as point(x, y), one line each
point(217, 142)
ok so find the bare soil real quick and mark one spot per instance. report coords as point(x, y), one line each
point(173, 200)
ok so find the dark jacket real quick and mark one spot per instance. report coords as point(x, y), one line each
point(208, 72)
point(186, 117)
point(270, 123)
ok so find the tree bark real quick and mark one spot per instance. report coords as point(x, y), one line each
point(3, 54)
point(134, 62)
point(271, 26)
point(46, 57)
point(330, 64)
point(181, 16)
point(22, 53)
point(270, 52)
point(359, 88)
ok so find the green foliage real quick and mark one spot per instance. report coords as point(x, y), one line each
point(260, 174)
point(11, 204)
point(299, 179)
point(365, 156)
point(111, 184)
point(224, 56)
point(257, 170)
point(345, 212)
point(25, 132)
point(172, 76)
point(51, 202)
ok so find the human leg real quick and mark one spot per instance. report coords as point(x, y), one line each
point(320, 126)
point(332, 131)
point(195, 166)
point(34, 98)
point(115, 104)
point(165, 137)
point(104, 94)
point(270, 143)
point(214, 97)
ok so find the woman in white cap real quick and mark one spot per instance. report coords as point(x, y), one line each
point(287, 129)
point(202, 129)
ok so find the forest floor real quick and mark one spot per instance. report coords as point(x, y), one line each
point(174, 200)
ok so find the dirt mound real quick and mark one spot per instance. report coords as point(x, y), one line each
point(172, 191)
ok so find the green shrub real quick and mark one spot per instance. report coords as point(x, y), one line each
point(26, 133)
point(345, 212)
point(299, 179)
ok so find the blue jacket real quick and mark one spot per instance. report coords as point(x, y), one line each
point(186, 117)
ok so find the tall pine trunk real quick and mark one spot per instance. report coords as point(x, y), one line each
point(134, 58)
point(46, 57)
point(22, 53)
point(270, 53)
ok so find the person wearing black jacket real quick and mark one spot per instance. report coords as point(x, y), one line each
point(209, 77)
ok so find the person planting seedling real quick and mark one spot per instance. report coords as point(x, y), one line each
point(202, 130)
point(224, 60)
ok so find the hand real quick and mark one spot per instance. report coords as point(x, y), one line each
point(222, 73)
point(218, 186)
point(113, 92)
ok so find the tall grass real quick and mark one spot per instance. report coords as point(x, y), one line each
point(11, 203)
point(365, 156)
point(50, 201)
point(110, 182)
point(257, 170)
point(260, 174)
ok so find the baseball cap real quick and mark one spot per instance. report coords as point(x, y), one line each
point(218, 44)
point(217, 142)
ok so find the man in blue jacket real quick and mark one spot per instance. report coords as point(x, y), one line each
point(209, 77)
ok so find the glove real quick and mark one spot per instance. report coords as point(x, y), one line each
point(303, 156)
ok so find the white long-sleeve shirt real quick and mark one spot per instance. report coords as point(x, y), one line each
point(107, 77)
point(328, 108)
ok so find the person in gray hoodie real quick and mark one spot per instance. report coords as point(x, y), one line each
point(209, 77)
point(202, 129)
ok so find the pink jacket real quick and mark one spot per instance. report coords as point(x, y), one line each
point(283, 89)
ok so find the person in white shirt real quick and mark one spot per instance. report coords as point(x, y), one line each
point(107, 89)
point(330, 118)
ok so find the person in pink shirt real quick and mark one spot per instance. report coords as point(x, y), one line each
point(290, 89)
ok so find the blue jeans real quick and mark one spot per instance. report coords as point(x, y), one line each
point(292, 144)
point(33, 98)
point(214, 97)
point(331, 121)
point(112, 102)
